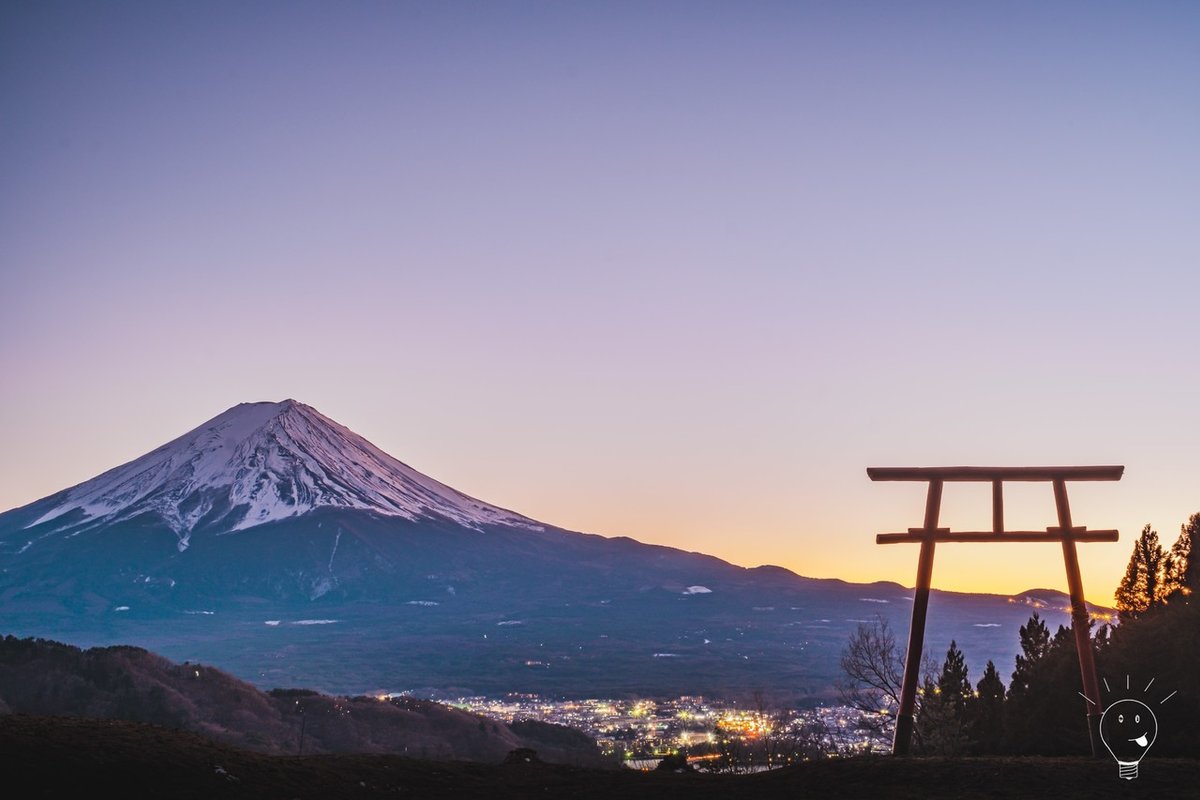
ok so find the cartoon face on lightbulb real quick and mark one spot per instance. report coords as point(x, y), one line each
point(1128, 728)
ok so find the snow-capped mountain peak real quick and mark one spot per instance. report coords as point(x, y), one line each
point(260, 462)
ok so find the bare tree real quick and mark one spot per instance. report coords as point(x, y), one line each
point(783, 735)
point(873, 669)
point(806, 739)
point(733, 754)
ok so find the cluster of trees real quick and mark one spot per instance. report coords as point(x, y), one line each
point(1152, 652)
point(1157, 576)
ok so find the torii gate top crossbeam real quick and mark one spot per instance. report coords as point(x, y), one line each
point(982, 474)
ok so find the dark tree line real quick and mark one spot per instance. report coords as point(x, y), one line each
point(1158, 638)
point(1153, 650)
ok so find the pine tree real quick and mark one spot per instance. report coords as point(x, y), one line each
point(1035, 645)
point(954, 687)
point(1043, 712)
point(1184, 576)
point(986, 712)
point(943, 719)
point(1147, 577)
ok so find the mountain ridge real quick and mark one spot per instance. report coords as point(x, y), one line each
point(347, 595)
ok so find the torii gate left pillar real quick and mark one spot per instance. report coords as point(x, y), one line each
point(929, 534)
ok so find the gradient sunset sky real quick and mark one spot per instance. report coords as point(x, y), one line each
point(677, 271)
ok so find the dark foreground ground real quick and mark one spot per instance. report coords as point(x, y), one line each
point(66, 757)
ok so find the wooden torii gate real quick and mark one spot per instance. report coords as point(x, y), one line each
point(929, 534)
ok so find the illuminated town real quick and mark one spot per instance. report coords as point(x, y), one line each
point(712, 734)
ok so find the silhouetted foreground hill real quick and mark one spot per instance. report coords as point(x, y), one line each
point(49, 678)
point(71, 757)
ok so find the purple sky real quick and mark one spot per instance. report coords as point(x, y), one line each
point(678, 271)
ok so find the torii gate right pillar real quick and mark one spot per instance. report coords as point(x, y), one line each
point(1080, 623)
point(929, 534)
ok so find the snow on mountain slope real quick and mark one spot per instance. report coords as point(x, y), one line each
point(260, 462)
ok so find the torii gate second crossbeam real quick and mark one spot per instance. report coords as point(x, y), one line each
point(929, 534)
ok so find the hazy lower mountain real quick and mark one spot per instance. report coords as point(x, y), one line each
point(52, 679)
point(281, 546)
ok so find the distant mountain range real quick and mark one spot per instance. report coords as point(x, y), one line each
point(285, 548)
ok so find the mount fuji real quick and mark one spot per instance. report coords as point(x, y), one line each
point(277, 544)
point(258, 463)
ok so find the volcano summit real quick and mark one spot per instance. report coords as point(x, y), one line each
point(258, 463)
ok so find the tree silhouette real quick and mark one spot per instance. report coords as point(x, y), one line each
point(1183, 577)
point(1147, 578)
point(1042, 713)
point(954, 685)
point(986, 712)
point(1035, 644)
point(872, 672)
point(943, 718)
point(1162, 644)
